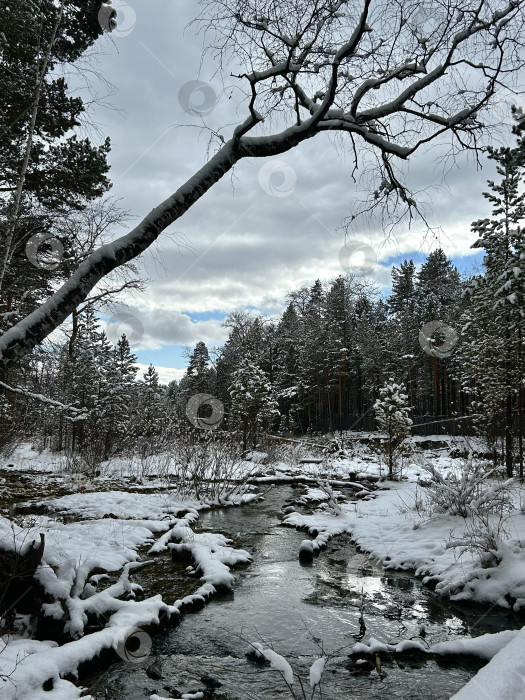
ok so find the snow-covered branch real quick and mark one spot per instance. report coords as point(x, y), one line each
point(78, 413)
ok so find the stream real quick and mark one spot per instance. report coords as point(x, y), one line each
point(298, 610)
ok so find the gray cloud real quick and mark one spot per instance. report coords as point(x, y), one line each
point(150, 330)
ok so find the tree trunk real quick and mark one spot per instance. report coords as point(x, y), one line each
point(509, 442)
point(13, 217)
point(435, 373)
point(520, 428)
point(74, 332)
point(520, 403)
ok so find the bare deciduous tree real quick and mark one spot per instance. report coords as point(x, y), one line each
point(390, 75)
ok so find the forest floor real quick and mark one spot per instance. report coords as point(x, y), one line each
point(100, 530)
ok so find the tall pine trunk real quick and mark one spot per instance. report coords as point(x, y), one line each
point(13, 216)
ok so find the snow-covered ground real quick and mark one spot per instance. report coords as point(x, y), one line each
point(106, 527)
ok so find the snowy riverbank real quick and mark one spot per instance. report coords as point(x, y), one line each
point(85, 578)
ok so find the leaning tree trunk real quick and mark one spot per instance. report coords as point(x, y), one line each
point(14, 344)
point(465, 40)
point(19, 340)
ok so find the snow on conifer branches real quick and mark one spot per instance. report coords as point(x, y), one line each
point(391, 413)
point(253, 406)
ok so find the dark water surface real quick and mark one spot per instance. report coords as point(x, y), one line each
point(297, 610)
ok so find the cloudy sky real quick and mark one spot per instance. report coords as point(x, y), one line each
point(272, 226)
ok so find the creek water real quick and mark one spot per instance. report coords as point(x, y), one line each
point(302, 612)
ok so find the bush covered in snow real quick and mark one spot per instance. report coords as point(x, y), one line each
point(469, 492)
point(484, 502)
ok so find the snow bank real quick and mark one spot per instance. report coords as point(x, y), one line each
point(211, 553)
point(73, 551)
point(78, 558)
point(503, 678)
point(389, 532)
point(123, 505)
point(485, 646)
point(73, 572)
point(26, 665)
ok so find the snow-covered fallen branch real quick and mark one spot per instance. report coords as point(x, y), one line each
point(282, 666)
point(211, 553)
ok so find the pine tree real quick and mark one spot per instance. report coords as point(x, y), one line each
point(151, 409)
point(313, 361)
point(288, 383)
point(373, 344)
point(403, 297)
point(253, 407)
point(84, 369)
point(438, 298)
point(341, 353)
point(118, 403)
point(46, 169)
point(391, 413)
point(199, 378)
point(494, 368)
